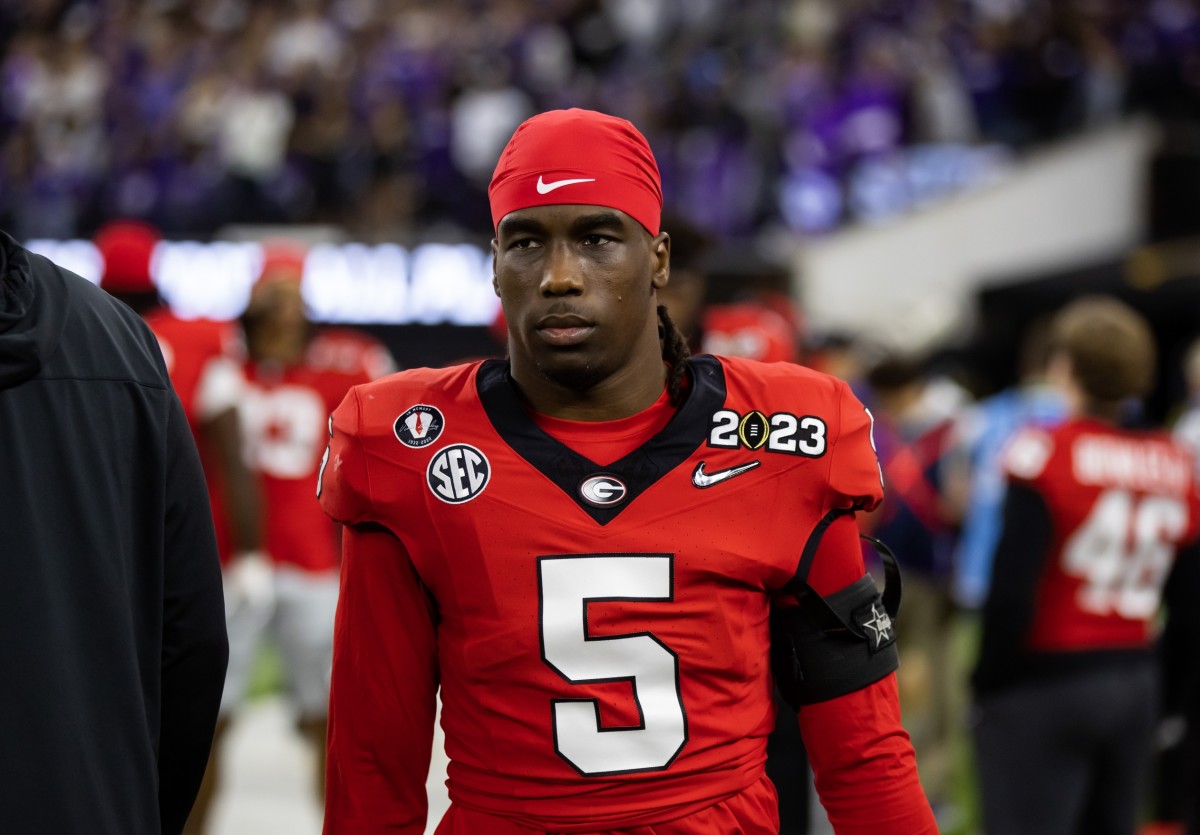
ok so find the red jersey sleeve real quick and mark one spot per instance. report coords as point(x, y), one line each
point(863, 763)
point(383, 692)
point(343, 485)
point(854, 480)
point(854, 474)
point(1027, 454)
point(839, 559)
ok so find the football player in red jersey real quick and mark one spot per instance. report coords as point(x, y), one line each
point(203, 358)
point(581, 546)
point(295, 376)
point(1095, 516)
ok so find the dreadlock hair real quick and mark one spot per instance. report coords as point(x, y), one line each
point(675, 354)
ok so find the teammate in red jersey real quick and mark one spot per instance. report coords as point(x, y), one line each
point(1067, 682)
point(203, 358)
point(295, 377)
point(581, 546)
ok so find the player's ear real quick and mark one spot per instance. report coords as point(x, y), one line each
point(495, 250)
point(660, 251)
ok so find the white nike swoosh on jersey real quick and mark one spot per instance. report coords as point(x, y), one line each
point(702, 479)
point(546, 188)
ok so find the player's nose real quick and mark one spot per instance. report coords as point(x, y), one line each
point(561, 275)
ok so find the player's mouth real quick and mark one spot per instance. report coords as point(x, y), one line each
point(564, 330)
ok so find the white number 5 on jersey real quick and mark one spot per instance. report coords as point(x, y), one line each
point(566, 586)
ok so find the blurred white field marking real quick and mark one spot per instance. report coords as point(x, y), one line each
point(266, 786)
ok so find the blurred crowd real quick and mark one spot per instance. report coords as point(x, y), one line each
point(384, 118)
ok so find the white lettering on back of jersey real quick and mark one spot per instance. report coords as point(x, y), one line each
point(1132, 464)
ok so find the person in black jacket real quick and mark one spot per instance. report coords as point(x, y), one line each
point(112, 630)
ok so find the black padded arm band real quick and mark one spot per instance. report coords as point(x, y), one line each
point(830, 646)
point(816, 659)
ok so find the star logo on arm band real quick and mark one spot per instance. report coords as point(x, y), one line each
point(879, 624)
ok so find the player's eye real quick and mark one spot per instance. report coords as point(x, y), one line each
point(596, 240)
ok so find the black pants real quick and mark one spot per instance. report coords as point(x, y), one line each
point(1067, 756)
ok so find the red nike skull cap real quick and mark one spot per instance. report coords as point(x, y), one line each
point(579, 157)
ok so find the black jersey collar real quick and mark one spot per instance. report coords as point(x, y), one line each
point(637, 471)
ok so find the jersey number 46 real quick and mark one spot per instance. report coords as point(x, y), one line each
point(1123, 552)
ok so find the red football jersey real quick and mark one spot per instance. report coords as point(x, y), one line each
point(599, 631)
point(350, 351)
point(285, 417)
point(203, 358)
point(1121, 503)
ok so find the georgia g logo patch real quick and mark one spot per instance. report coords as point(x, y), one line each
point(603, 490)
point(458, 473)
point(419, 426)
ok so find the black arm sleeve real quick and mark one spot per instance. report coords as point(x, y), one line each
point(1016, 568)
point(195, 649)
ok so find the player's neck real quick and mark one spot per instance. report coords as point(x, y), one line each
point(620, 395)
point(281, 347)
point(1104, 411)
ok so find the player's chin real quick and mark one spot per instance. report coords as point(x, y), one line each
point(572, 370)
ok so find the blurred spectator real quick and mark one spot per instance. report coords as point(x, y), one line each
point(252, 140)
point(913, 412)
point(846, 357)
point(1100, 527)
point(1178, 764)
point(1187, 425)
point(973, 472)
point(800, 114)
point(749, 329)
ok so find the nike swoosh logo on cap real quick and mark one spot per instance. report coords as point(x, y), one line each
point(546, 188)
point(702, 479)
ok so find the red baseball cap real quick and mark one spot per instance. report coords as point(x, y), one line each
point(579, 157)
point(127, 247)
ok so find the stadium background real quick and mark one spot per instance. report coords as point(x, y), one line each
point(783, 128)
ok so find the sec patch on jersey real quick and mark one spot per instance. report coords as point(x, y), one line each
point(458, 473)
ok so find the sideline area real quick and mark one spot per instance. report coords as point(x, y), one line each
point(268, 777)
